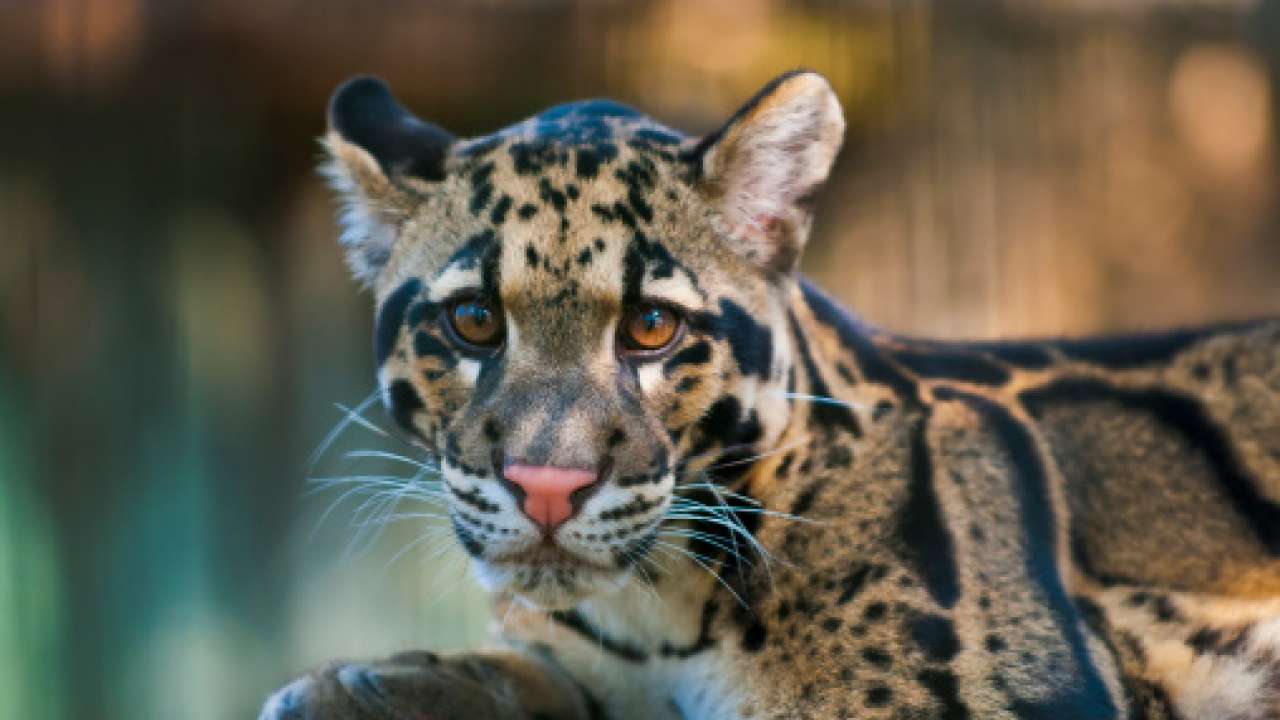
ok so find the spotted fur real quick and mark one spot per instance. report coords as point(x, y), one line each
point(799, 515)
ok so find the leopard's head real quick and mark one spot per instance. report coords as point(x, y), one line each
point(582, 313)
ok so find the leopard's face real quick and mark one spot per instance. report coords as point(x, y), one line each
point(565, 324)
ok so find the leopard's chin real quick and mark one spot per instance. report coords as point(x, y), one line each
point(549, 586)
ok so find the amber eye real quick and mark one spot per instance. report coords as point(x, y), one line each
point(474, 322)
point(649, 328)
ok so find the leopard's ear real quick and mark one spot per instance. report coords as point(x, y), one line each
point(762, 169)
point(376, 151)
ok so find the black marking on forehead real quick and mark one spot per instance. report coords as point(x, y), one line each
point(587, 160)
point(530, 157)
point(473, 251)
point(602, 212)
point(499, 213)
point(642, 255)
point(481, 187)
point(638, 176)
point(391, 317)
point(548, 193)
point(527, 211)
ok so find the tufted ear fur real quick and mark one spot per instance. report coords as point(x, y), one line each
point(376, 148)
point(764, 167)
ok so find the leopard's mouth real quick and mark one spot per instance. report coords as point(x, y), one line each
point(547, 555)
point(551, 576)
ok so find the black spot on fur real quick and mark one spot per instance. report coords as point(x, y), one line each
point(499, 213)
point(936, 636)
point(531, 255)
point(804, 502)
point(878, 657)
point(946, 689)
point(753, 637)
point(879, 696)
point(853, 582)
point(602, 212)
point(527, 211)
point(875, 611)
point(530, 158)
point(549, 193)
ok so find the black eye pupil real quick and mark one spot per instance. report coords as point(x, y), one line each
point(653, 319)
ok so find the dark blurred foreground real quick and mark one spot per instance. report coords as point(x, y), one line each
point(176, 325)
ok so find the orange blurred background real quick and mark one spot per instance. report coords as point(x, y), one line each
point(177, 328)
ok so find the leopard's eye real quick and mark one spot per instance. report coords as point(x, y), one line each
point(649, 329)
point(475, 322)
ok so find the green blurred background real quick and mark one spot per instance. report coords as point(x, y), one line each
point(176, 326)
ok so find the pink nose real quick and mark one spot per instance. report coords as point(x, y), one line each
point(548, 491)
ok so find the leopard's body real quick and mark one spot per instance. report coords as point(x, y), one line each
point(799, 516)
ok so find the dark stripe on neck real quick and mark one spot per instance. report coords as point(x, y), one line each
point(827, 411)
point(574, 620)
point(873, 364)
point(1085, 695)
point(1188, 418)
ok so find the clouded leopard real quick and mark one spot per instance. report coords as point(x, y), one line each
point(698, 488)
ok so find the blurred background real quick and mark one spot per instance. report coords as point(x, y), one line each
point(177, 331)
